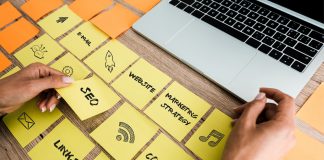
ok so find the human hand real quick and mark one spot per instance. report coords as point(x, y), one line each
point(36, 79)
point(263, 131)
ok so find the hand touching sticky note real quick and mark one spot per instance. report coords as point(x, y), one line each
point(177, 110)
point(143, 5)
point(64, 142)
point(28, 122)
point(209, 140)
point(71, 66)
point(163, 148)
point(110, 60)
point(38, 8)
point(89, 97)
point(125, 132)
point(8, 13)
point(83, 40)
point(4, 62)
point(59, 22)
point(43, 50)
point(140, 83)
point(89, 8)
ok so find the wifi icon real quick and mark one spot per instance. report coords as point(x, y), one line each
point(126, 133)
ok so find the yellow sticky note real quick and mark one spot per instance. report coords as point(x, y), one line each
point(102, 156)
point(64, 142)
point(164, 148)
point(71, 66)
point(306, 148)
point(209, 140)
point(177, 110)
point(59, 22)
point(110, 60)
point(11, 72)
point(83, 40)
point(125, 132)
point(141, 83)
point(28, 122)
point(43, 50)
point(89, 97)
point(312, 112)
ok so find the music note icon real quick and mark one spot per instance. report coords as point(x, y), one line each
point(219, 136)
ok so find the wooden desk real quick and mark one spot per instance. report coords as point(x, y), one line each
point(219, 98)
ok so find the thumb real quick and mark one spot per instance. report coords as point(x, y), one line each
point(53, 81)
point(253, 109)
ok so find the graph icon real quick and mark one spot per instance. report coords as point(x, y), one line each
point(126, 133)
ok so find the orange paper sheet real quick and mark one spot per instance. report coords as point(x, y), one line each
point(143, 5)
point(313, 110)
point(8, 13)
point(38, 8)
point(115, 21)
point(17, 34)
point(4, 62)
point(86, 9)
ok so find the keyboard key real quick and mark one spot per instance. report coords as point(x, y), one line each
point(223, 9)
point(239, 26)
point(235, 1)
point(189, 2)
point(206, 2)
point(315, 44)
point(249, 22)
point(283, 20)
point(227, 3)
point(272, 24)
point(174, 2)
point(225, 28)
point(247, 30)
point(230, 21)
point(212, 13)
point(235, 7)
point(214, 5)
point(263, 11)
point(231, 13)
point(290, 42)
point(221, 17)
point(282, 29)
point(306, 50)
point(275, 54)
point(240, 17)
point(262, 20)
point(257, 35)
point(267, 40)
point(197, 14)
point(253, 15)
point(197, 5)
point(304, 30)
point(293, 34)
point(189, 9)
point(181, 5)
point(304, 39)
point(204, 9)
point(279, 46)
point(253, 43)
point(317, 36)
point(286, 60)
point(264, 48)
point(298, 66)
point(293, 25)
point(273, 16)
point(245, 4)
point(278, 36)
point(260, 27)
point(269, 32)
point(254, 7)
point(244, 11)
point(297, 55)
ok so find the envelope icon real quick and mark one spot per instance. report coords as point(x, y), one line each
point(26, 121)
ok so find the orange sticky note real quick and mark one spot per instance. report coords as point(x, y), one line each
point(4, 62)
point(17, 34)
point(306, 148)
point(86, 9)
point(313, 110)
point(115, 21)
point(38, 8)
point(143, 5)
point(8, 13)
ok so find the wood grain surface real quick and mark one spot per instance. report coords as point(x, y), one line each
point(215, 95)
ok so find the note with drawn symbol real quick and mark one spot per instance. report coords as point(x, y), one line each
point(26, 121)
point(110, 63)
point(126, 133)
point(39, 51)
point(214, 134)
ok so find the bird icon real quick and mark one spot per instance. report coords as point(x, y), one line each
point(110, 63)
point(39, 51)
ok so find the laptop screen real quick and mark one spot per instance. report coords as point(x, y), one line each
point(311, 8)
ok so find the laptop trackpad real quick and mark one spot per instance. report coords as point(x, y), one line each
point(211, 51)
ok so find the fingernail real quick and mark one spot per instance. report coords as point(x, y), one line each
point(59, 97)
point(68, 80)
point(43, 109)
point(260, 96)
point(52, 107)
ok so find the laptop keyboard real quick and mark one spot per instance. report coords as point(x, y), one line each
point(287, 41)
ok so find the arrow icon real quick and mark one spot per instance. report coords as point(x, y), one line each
point(61, 19)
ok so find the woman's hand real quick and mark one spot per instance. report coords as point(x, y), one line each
point(263, 131)
point(26, 84)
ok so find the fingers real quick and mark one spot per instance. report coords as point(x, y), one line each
point(39, 70)
point(50, 82)
point(49, 101)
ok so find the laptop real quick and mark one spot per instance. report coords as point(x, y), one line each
point(242, 45)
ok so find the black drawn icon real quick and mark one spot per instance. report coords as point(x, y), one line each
point(26, 121)
point(150, 156)
point(110, 63)
point(68, 70)
point(39, 51)
point(219, 136)
point(126, 133)
point(61, 19)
